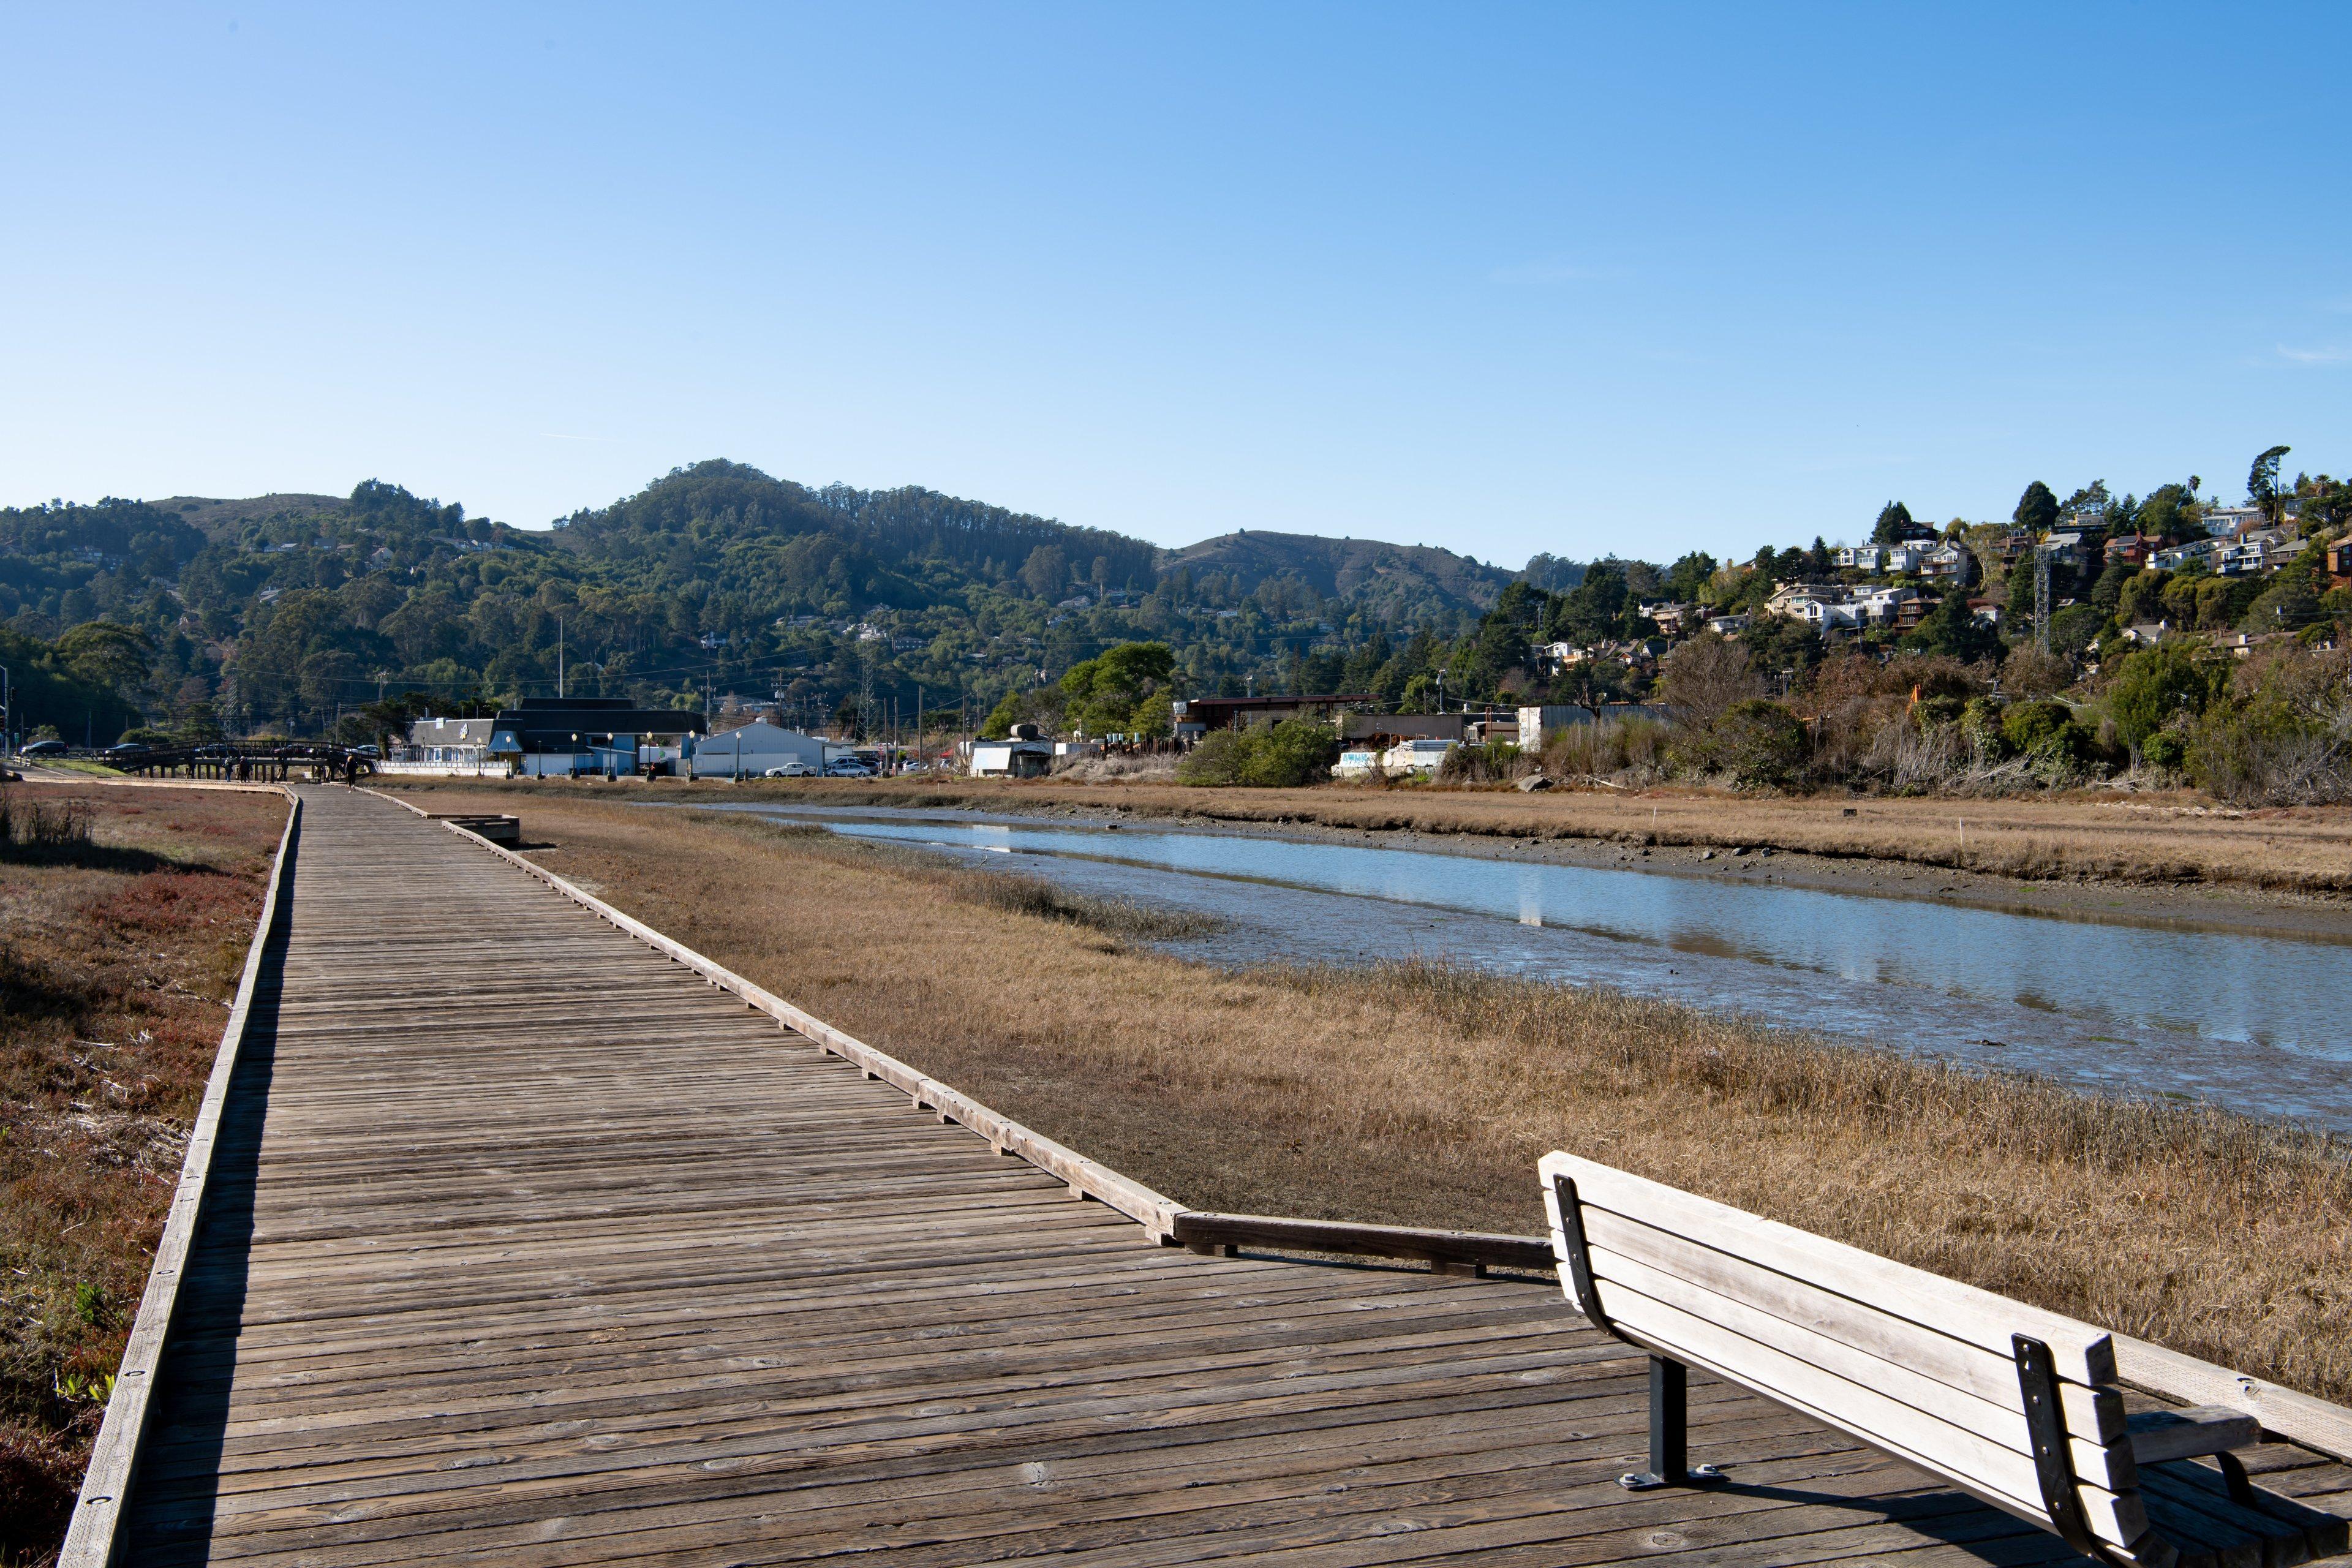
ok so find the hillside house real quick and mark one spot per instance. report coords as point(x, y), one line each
point(2180, 557)
point(1950, 563)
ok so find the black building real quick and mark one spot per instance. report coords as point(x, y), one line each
point(587, 734)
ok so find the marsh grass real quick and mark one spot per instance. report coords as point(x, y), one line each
point(118, 952)
point(1423, 1094)
point(42, 827)
point(1011, 892)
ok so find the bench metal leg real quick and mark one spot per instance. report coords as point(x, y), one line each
point(1669, 1433)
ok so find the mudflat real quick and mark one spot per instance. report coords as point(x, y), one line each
point(2091, 854)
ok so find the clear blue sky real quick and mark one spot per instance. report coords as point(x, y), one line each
point(1500, 278)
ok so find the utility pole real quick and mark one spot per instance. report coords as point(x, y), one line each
point(559, 658)
point(2042, 596)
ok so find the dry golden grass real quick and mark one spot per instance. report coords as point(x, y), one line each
point(117, 962)
point(1422, 1095)
point(2155, 839)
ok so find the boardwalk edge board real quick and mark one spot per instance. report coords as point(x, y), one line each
point(2299, 1419)
point(91, 1540)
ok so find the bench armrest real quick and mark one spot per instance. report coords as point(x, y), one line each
point(2158, 1436)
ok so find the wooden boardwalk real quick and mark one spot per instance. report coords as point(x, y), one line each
point(527, 1246)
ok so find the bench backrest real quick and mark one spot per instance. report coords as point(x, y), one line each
point(1919, 1366)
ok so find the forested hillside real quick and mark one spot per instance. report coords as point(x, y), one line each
point(292, 612)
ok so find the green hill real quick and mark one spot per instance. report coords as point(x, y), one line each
point(717, 580)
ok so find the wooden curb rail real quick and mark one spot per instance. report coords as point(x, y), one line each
point(1155, 1212)
point(91, 1540)
point(2298, 1418)
point(1461, 1250)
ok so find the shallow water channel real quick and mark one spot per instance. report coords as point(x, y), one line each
point(2254, 1020)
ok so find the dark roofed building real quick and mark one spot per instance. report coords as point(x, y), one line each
point(586, 734)
point(1201, 714)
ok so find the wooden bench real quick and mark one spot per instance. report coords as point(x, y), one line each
point(2018, 1406)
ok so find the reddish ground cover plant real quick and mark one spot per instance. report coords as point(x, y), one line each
point(125, 920)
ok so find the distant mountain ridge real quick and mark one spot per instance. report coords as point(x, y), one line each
point(1356, 571)
point(715, 578)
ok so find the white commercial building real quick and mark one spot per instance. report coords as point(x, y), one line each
point(749, 751)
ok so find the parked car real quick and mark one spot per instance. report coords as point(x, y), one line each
point(42, 748)
point(848, 768)
point(791, 771)
point(128, 751)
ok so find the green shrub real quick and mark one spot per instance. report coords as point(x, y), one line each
point(2028, 726)
point(1491, 761)
point(1944, 710)
point(2260, 751)
point(1282, 756)
point(2166, 749)
point(2158, 684)
point(1980, 721)
point(1759, 742)
point(1217, 760)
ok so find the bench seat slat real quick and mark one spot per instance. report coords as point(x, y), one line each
point(1880, 1382)
point(2083, 1355)
point(2095, 1416)
point(2158, 1436)
point(1934, 1444)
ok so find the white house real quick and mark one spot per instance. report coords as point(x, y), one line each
point(1861, 557)
point(1881, 606)
point(2222, 522)
point(447, 743)
point(2180, 555)
point(1946, 563)
point(751, 750)
point(1016, 759)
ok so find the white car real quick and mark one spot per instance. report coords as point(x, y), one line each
point(791, 771)
point(848, 768)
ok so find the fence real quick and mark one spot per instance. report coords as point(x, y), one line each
point(448, 770)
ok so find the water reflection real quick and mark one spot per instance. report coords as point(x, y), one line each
point(2254, 1020)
